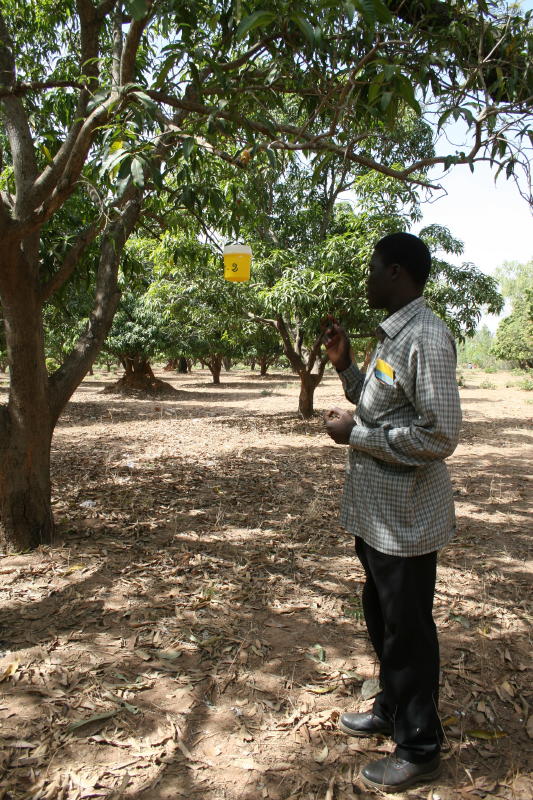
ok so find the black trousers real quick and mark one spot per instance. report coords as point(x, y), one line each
point(398, 608)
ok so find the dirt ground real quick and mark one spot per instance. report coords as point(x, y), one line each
point(195, 630)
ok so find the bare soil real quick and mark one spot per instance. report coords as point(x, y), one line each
point(195, 629)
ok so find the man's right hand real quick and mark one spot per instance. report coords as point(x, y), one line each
point(337, 346)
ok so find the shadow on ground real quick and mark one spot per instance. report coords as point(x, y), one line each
point(200, 624)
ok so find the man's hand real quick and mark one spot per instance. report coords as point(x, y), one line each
point(337, 345)
point(339, 425)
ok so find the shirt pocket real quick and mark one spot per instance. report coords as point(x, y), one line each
point(383, 394)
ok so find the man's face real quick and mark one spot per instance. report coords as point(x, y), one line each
point(379, 284)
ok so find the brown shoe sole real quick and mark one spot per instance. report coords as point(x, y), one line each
point(366, 734)
point(414, 781)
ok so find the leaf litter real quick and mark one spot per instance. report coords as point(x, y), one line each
point(195, 630)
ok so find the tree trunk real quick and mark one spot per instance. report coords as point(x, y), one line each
point(214, 365)
point(36, 400)
point(26, 519)
point(264, 363)
point(227, 364)
point(308, 384)
point(182, 367)
point(139, 378)
point(138, 375)
point(25, 423)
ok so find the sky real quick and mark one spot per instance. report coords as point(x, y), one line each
point(492, 220)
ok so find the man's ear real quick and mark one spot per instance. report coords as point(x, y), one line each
point(395, 271)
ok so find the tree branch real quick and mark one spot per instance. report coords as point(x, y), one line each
point(314, 143)
point(91, 20)
point(131, 46)
point(78, 149)
point(71, 259)
point(19, 88)
point(17, 128)
point(116, 54)
point(295, 360)
point(107, 295)
point(262, 320)
point(253, 51)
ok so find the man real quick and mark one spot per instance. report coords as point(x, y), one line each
point(398, 502)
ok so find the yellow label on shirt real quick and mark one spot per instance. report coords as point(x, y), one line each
point(384, 372)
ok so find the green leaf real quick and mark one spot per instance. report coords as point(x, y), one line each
point(188, 146)
point(137, 8)
point(188, 197)
point(386, 97)
point(349, 8)
point(146, 101)
point(137, 172)
point(305, 27)
point(382, 12)
point(156, 176)
point(272, 158)
point(47, 153)
point(407, 92)
point(444, 117)
point(257, 20)
point(369, 12)
point(375, 89)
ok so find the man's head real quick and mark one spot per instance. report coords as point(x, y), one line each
point(399, 269)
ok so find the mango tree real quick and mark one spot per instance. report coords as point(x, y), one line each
point(514, 336)
point(307, 270)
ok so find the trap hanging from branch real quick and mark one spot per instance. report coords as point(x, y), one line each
point(237, 261)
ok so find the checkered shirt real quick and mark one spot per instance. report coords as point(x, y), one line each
point(397, 493)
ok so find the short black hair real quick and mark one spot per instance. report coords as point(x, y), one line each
point(409, 251)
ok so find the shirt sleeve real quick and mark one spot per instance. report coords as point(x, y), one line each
point(352, 382)
point(434, 433)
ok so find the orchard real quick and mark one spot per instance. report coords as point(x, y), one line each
point(138, 139)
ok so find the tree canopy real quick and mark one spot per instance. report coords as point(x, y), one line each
point(514, 336)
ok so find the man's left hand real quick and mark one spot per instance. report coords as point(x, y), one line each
point(339, 425)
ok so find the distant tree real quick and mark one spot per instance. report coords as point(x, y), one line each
point(262, 346)
point(515, 279)
point(200, 310)
point(477, 349)
point(138, 336)
point(514, 336)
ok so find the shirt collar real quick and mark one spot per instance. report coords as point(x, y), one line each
point(393, 324)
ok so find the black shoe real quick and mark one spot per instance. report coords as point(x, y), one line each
point(392, 774)
point(364, 725)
